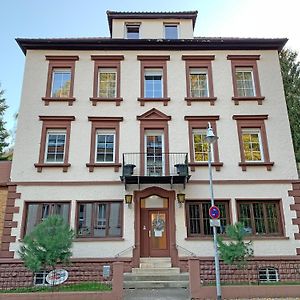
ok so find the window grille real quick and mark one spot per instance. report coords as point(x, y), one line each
point(40, 278)
point(268, 274)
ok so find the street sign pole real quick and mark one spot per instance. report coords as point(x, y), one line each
point(216, 253)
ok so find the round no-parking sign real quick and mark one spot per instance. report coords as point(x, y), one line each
point(214, 212)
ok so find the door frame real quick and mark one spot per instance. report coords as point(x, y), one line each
point(170, 195)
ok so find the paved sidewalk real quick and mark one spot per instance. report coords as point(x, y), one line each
point(172, 294)
point(156, 294)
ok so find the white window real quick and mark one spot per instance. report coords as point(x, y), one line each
point(99, 219)
point(132, 31)
point(40, 278)
point(200, 146)
point(252, 144)
point(100, 222)
point(55, 146)
point(153, 83)
point(244, 82)
point(61, 83)
point(105, 146)
point(171, 31)
point(199, 82)
point(107, 79)
point(154, 149)
point(268, 274)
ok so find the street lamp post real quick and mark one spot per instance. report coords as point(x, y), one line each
point(211, 138)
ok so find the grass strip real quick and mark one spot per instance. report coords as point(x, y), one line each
point(79, 287)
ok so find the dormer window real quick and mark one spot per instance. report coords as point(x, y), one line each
point(171, 31)
point(132, 31)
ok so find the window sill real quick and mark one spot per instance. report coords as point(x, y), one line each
point(217, 165)
point(144, 100)
point(189, 100)
point(91, 239)
point(270, 237)
point(268, 165)
point(64, 166)
point(95, 100)
point(258, 99)
point(47, 100)
point(250, 237)
point(91, 166)
point(199, 238)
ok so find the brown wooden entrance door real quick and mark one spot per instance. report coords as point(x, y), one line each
point(154, 233)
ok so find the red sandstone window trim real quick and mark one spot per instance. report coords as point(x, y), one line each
point(200, 202)
point(154, 120)
point(99, 123)
point(106, 61)
point(107, 237)
point(201, 122)
point(60, 62)
point(199, 61)
point(38, 214)
point(53, 123)
point(159, 62)
point(247, 61)
point(264, 201)
point(253, 122)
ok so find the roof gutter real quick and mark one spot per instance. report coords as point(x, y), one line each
point(86, 44)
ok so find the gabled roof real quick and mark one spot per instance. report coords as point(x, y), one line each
point(150, 15)
point(199, 43)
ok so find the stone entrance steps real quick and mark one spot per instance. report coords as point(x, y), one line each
point(155, 273)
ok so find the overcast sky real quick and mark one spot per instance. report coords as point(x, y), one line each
point(83, 18)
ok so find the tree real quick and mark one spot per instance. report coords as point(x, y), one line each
point(9, 152)
point(3, 132)
point(47, 245)
point(290, 70)
point(236, 251)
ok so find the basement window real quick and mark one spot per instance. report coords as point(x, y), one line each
point(40, 278)
point(268, 274)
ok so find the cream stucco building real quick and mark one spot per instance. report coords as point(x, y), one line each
point(105, 118)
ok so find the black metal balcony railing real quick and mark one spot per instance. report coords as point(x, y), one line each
point(155, 167)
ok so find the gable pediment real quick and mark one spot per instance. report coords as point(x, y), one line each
point(153, 115)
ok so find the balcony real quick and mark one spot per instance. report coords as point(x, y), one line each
point(158, 168)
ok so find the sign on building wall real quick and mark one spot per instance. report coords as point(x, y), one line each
point(56, 277)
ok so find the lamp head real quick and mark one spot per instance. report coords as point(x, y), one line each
point(180, 198)
point(210, 136)
point(128, 199)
